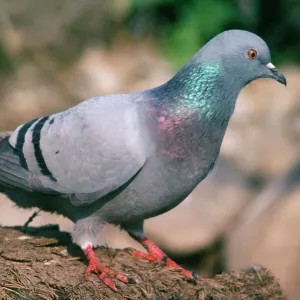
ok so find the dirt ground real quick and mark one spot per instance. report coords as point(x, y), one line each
point(43, 264)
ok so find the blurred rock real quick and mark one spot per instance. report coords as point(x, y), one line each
point(28, 94)
point(261, 129)
point(272, 240)
point(43, 23)
point(100, 72)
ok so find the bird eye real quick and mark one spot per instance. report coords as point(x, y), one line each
point(252, 53)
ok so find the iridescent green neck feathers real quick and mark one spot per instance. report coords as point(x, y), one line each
point(200, 89)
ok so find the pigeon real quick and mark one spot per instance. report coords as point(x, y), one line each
point(121, 159)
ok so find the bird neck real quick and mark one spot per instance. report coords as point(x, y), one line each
point(202, 91)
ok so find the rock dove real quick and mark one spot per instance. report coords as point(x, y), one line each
point(121, 159)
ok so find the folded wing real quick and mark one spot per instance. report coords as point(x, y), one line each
point(85, 152)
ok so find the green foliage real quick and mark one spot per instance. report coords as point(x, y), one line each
point(183, 26)
point(199, 21)
point(148, 3)
point(6, 63)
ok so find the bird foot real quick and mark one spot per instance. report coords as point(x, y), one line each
point(157, 255)
point(104, 273)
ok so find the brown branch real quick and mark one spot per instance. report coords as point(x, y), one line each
point(44, 264)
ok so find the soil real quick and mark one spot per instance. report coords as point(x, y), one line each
point(42, 263)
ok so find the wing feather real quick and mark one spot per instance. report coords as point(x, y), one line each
point(86, 151)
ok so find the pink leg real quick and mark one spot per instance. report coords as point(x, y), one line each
point(155, 254)
point(104, 272)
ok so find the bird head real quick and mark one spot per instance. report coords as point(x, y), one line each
point(244, 57)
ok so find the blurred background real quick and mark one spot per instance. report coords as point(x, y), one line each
point(54, 54)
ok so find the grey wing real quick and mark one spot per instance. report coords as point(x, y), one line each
point(85, 152)
point(12, 175)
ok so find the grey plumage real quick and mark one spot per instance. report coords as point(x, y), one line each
point(123, 158)
point(97, 162)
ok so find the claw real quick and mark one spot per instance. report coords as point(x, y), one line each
point(131, 280)
point(120, 288)
point(107, 281)
point(157, 255)
point(104, 273)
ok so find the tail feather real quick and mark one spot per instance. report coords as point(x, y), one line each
point(12, 174)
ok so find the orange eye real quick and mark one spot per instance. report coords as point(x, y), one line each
point(252, 53)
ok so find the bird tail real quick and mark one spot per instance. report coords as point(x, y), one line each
point(12, 175)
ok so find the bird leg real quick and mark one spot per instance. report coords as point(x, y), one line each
point(156, 254)
point(104, 273)
point(25, 226)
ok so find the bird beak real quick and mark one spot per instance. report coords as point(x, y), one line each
point(275, 74)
